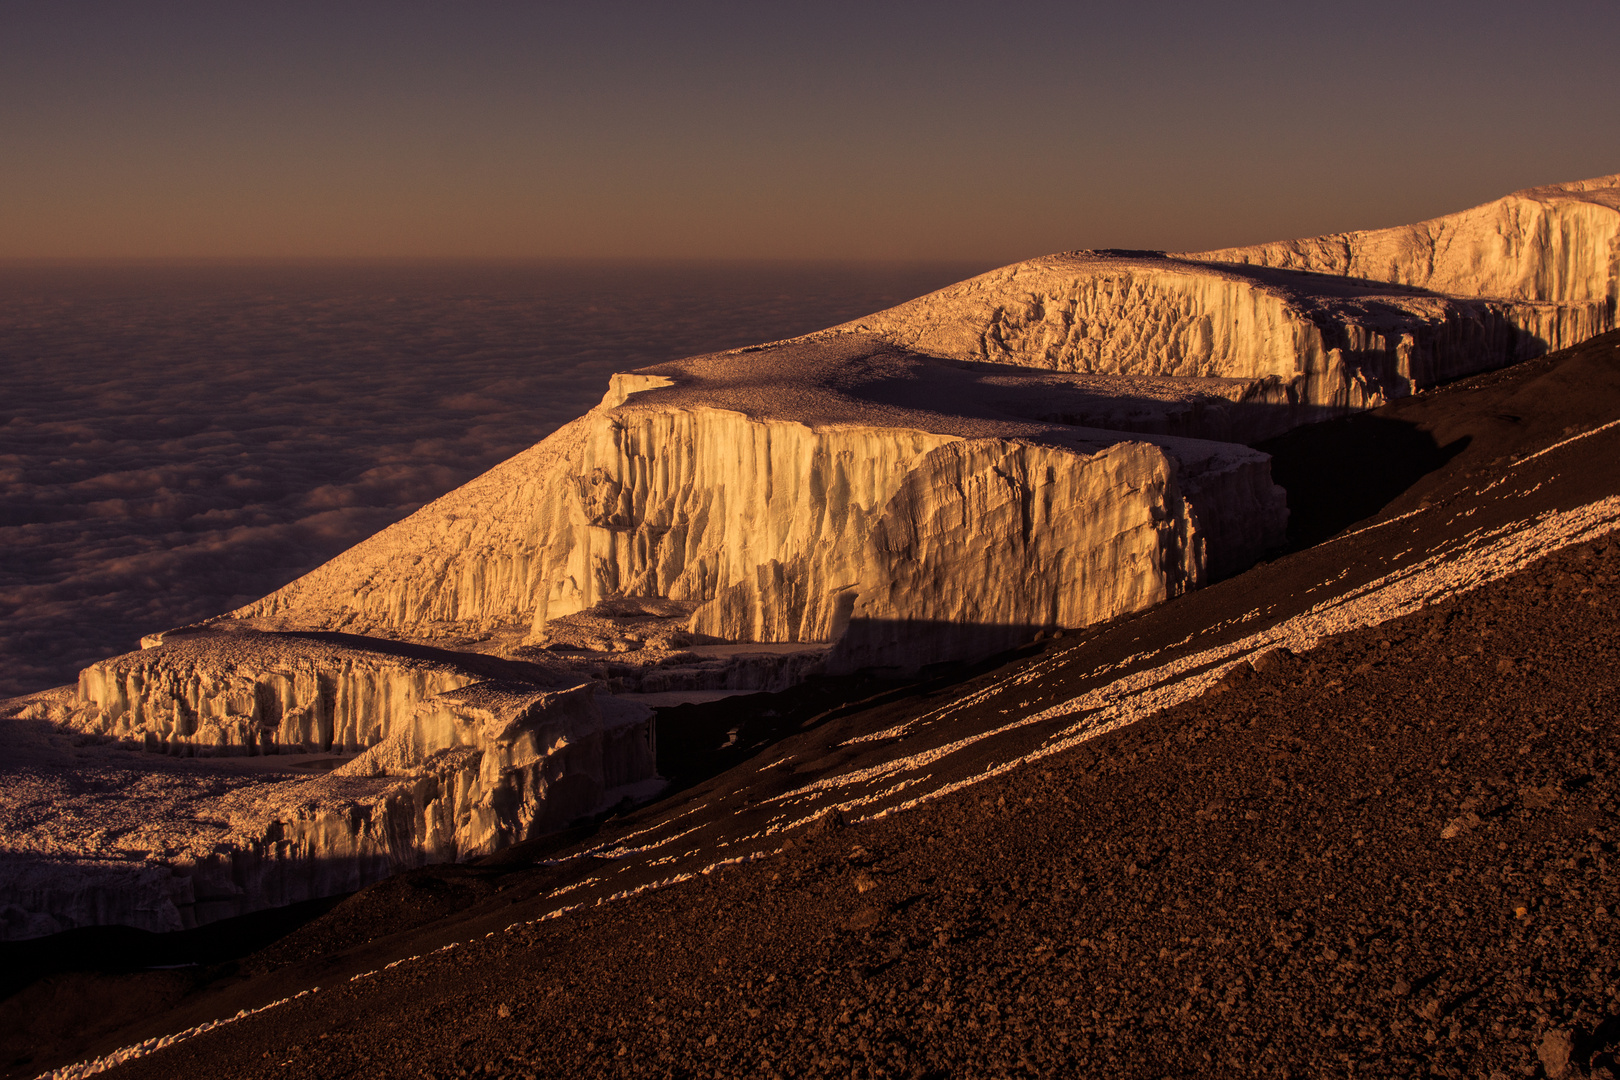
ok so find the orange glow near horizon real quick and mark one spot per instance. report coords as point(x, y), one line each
point(726, 131)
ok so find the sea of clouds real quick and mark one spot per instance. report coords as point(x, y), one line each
point(178, 440)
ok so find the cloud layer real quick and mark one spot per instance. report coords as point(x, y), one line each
point(177, 441)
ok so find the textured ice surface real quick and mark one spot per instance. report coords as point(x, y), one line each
point(222, 773)
point(1320, 326)
point(1557, 244)
point(784, 491)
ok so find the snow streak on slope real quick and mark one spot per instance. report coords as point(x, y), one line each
point(1459, 563)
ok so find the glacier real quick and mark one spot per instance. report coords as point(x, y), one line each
point(1042, 447)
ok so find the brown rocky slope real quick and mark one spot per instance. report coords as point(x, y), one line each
point(1392, 854)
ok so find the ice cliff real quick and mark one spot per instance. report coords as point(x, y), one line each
point(1558, 244)
point(1320, 326)
point(786, 491)
point(225, 772)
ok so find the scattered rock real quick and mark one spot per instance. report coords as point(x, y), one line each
point(1274, 662)
point(865, 918)
point(1554, 1051)
point(1540, 798)
point(1457, 826)
point(829, 822)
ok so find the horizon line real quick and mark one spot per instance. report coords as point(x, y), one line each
point(10, 261)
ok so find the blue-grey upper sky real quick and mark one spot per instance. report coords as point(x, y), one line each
point(989, 131)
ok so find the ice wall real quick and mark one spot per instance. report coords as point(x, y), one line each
point(988, 542)
point(1315, 348)
point(458, 765)
point(505, 762)
point(1138, 315)
point(227, 694)
point(772, 528)
point(1558, 244)
point(695, 503)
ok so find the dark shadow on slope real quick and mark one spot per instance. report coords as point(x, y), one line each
point(123, 950)
point(904, 648)
point(1339, 472)
point(699, 741)
point(59, 994)
point(1343, 471)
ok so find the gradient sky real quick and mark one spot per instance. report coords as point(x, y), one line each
point(815, 130)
